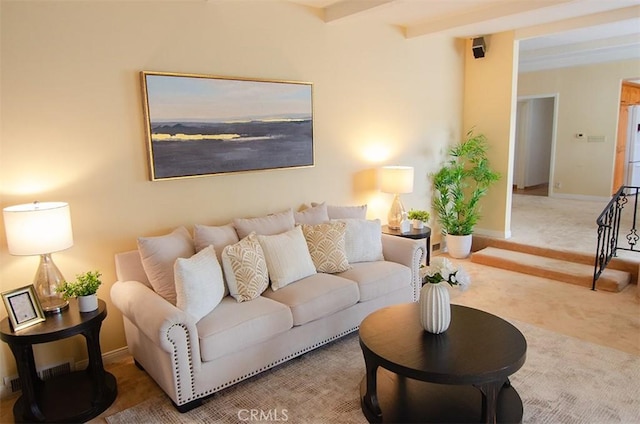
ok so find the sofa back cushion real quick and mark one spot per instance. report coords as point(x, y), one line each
point(245, 269)
point(313, 215)
point(199, 284)
point(345, 212)
point(158, 255)
point(287, 257)
point(218, 237)
point(266, 225)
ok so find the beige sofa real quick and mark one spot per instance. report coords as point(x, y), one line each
point(191, 358)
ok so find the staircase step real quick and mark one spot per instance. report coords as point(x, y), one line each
point(556, 269)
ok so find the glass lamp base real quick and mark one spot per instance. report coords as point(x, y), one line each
point(48, 278)
point(396, 214)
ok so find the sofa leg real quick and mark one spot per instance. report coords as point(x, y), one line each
point(186, 407)
point(138, 364)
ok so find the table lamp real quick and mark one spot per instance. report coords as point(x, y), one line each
point(396, 180)
point(41, 229)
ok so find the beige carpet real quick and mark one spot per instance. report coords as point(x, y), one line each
point(563, 224)
point(564, 380)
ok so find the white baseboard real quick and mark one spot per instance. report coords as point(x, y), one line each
point(107, 358)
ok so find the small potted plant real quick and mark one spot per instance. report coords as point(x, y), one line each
point(84, 288)
point(419, 218)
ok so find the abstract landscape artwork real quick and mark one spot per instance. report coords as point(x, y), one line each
point(200, 125)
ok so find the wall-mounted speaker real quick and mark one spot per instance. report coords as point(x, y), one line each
point(478, 47)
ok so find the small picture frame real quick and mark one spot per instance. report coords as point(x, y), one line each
point(23, 307)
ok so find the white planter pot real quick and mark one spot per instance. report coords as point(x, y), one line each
point(417, 224)
point(459, 247)
point(435, 307)
point(88, 303)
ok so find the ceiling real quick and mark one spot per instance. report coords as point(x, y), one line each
point(552, 33)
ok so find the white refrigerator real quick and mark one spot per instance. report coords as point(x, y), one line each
point(633, 147)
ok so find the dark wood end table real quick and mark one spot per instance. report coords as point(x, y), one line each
point(74, 397)
point(424, 233)
point(459, 376)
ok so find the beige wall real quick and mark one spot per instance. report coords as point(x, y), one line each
point(588, 103)
point(72, 124)
point(489, 99)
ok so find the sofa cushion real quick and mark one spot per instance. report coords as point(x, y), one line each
point(219, 237)
point(199, 285)
point(245, 268)
point(363, 240)
point(327, 246)
point(287, 257)
point(266, 225)
point(316, 296)
point(376, 279)
point(234, 326)
point(158, 255)
point(313, 215)
point(345, 212)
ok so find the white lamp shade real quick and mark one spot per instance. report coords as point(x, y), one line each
point(396, 179)
point(38, 228)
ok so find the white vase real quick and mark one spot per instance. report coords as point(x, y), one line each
point(418, 224)
point(435, 307)
point(459, 247)
point(88, 303)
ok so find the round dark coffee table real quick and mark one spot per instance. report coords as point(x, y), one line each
point(461, 375)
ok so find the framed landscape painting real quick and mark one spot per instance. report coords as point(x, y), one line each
point(201, 125)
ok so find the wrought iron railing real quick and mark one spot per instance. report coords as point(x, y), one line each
point(609, 229)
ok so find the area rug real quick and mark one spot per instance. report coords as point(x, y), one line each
point(564, 380)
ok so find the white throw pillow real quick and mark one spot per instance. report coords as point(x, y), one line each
point(287, 256)
point(327, 247)
point(363, 240)
point(313, 215)
point(199, 285)
point(245, 269)
point(271, 224)
point(158, 255)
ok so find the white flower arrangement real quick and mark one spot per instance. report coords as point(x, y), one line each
point(443, 270)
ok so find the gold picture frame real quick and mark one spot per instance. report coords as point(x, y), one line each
point(202, 125)
point(23, 307)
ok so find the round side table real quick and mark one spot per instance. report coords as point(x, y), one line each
point(74, 397)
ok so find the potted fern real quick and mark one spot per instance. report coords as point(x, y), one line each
point(460, 184)
point(84, 288)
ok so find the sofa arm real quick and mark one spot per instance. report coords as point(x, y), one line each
point(167, 326)
point(408, 252)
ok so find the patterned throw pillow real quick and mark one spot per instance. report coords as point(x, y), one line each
point(199, 285)
point(327, 246)
point(245, 268)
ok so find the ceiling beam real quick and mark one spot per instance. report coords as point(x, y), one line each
point(579, 22)
point(478, 15)
point(347, 8)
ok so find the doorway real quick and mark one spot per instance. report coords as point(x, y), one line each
point(534, 149)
